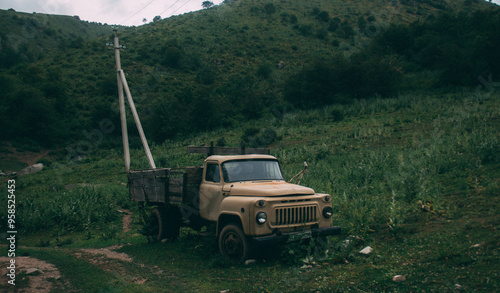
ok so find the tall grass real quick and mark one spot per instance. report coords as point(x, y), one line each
point(389, 158)
point(383, 161)
point(78, 209)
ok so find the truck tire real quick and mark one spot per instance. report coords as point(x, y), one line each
point(233, 244)
point(156, 229)
point(172, 222)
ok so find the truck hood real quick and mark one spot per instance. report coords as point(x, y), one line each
point(267, 189)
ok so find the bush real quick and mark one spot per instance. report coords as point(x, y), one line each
point(265, 70)
point(321, 34)
point(269, 8)
point(326, 83)
point(323, 16)
point(346, 30)
point(255, 137)
point(334, 24)
point(305, 29)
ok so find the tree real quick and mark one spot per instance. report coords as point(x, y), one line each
point(207, 4)
point(156, 18)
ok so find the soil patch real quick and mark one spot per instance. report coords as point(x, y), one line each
point(32, 275)
point(126, 220)
point(108, 253)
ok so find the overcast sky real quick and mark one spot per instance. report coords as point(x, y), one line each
point(123, 12)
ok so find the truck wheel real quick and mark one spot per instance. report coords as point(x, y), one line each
point(233, 244)
point(173, 222)
point(156, 226)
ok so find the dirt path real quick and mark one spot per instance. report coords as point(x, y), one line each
point(32, 275)
point(110, 260)
point(126, 220)
point(106, 254)
point(37, 276)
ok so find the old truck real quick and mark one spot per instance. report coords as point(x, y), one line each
point(244, 197)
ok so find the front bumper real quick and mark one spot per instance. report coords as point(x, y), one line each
point(277, 237)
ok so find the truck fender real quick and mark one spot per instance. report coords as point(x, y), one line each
point(228, 218)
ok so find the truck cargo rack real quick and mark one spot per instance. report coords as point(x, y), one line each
point(211, 150)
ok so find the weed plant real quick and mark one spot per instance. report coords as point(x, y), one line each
point(78, 209)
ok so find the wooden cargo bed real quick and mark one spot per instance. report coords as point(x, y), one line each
point(165, 185)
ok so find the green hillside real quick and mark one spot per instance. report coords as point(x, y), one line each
point(29, 37)
point(393, 105)
point(236, 61)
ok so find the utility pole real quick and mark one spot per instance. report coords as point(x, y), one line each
point(123, 118)
point(122, 84)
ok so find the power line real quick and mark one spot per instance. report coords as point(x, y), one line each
point(181, 7)
point(169, 7)
point(138, 11)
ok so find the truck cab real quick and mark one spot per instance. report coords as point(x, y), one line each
point(250, 202)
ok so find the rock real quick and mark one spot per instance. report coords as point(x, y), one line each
point(31, 169)
point(367, 250)
point(78, 157)
point(305, 267)
point(250, 261)
point(224, 291)
point(8, 173)
point(398, 278)
point(346, 243)
point(33, 271)
point(457, 287)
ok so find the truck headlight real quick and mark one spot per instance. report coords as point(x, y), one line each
point(327, 198)
point(261, 218)
point(327, 212)
point(261, 203)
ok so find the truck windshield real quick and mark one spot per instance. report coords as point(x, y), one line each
point(251, 170)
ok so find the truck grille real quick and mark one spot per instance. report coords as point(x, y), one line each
point(295, 215)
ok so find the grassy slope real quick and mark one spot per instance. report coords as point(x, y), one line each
point(45, 33)
point(242, 36)
point(416, 178)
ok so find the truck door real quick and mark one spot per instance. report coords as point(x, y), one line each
point(211, 192)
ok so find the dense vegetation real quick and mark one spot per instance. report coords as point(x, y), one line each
point(238, 61)
point(414, 176)
point(393, 104)
point(28, 38)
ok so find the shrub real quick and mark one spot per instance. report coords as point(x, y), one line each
point(321, 34)
point(305, 29)
point(334, 24)
point(269, 8)
point(326, 83)
point(346, 30)
point(265, 70)
point(323, 16)
point(255, 137)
